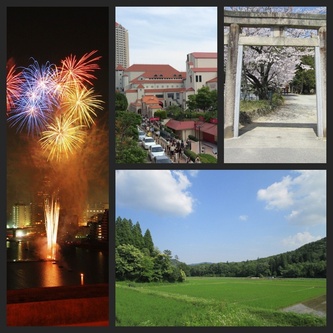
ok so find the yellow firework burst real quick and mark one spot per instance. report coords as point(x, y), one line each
point(62, 138)
point(81, 104)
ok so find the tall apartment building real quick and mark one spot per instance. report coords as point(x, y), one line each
point(122, 48)
point(21, 215)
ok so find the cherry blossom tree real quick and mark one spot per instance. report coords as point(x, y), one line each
point(268, 68)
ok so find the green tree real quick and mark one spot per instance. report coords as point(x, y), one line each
point(162, 114)
point(148, 242)
point(127, 148)
point(204, 98)
point(162, 267)
point(128, 152)
point(147, 269)
point(191, 103)
point(128, 262)
point(138, 240)
point(121, 102)
point(305, 77)
point(126, 125)
point(123, 231)
point(168, 253)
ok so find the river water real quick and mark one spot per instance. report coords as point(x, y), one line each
point(26, 267)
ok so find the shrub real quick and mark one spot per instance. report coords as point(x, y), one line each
point(277, 99)
point(206, 158)
point(192, 155)
point(193, 138)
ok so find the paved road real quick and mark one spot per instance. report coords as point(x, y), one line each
point(287, 135)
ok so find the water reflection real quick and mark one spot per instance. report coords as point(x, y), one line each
point(26, 267)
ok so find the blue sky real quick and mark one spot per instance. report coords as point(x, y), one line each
point(225, 215)
point(165, 35)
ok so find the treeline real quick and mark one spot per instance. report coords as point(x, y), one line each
point(137, 259)
point(308, 261)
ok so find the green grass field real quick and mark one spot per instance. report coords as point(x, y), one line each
point(218, 302)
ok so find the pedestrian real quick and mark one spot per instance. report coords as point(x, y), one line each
point(172, 150)
point(168, 146)
point(177, 155)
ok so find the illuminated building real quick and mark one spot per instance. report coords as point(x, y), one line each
point(21, 215)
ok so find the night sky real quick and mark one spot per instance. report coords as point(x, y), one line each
point(50, 34)
point(53, 33)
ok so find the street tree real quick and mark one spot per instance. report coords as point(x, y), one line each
point(127, 148)
point(121, 102)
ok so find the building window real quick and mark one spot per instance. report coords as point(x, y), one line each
point(198, 78)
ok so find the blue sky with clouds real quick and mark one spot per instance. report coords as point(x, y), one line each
point(225, 215)
point(165, 35)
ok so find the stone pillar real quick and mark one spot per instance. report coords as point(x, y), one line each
point(230, 81)
point(322, 53)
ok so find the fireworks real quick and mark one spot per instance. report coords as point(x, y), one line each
point(78, 71)
point(81, 104)
point(62, 137)
point(52, 208)
point(13, 83)
point(54, 103)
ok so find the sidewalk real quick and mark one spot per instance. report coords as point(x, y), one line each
point(208, 148)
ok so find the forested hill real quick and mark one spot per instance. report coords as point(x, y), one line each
point(307, 261)
point(138, 259)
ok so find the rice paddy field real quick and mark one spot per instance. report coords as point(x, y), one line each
point(220, 302)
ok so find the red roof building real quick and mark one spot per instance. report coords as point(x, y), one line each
point(167, 84)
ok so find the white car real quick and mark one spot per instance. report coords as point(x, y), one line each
point(155, 150)
point(148, 141)
point(142, 134)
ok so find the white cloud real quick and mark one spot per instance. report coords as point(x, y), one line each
point(193, 173)
point(299, 239)
point(303, 195)
point(277, 195)
point(163, 192)
point(164, 35)
point(243, 217)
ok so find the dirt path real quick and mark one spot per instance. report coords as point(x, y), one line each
point(315, 306)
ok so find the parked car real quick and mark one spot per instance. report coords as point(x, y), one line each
point(142, 134)
point(148, 141)
point(155, 150)
point(161, 159)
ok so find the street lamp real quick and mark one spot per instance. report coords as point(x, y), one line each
point(198, 127)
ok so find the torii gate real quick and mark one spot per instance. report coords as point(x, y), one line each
point(277, 22)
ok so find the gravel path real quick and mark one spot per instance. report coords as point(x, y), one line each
point(296, 109)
